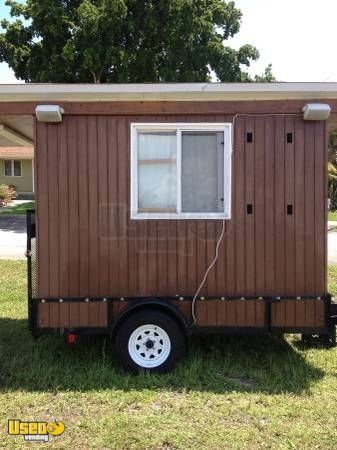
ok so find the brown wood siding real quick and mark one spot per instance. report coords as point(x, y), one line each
point(215, 107)
point(298, 314)
point(89, 246)
point(69, 315)
point(222, 313)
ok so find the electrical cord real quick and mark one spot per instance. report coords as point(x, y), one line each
point(207, 272)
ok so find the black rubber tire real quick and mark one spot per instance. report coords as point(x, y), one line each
point(154, 317)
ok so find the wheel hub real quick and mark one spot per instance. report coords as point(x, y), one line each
point(149, 346)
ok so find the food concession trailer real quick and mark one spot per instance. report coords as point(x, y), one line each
point(165, 210)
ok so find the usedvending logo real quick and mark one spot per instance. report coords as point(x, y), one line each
point(35, 431)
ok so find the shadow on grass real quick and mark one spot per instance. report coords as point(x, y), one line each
point(214, 363)
point(314, 343)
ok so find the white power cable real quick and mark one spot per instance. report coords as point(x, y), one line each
point(207, 272)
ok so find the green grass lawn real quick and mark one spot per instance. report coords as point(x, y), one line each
point(241, 393)
point(332, 215)
point(17, 209)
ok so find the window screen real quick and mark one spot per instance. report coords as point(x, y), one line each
point(202, 171)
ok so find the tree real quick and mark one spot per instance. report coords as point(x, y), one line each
point(125, 41)
point(266, 77)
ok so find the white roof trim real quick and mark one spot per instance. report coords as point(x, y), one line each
point(167, 91)
point(14, 136)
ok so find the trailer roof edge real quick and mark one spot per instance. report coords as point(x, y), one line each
point(167, 91)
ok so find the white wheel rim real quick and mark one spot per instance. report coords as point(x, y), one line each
point(149, 346)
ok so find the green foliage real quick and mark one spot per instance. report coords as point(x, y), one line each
point(6, 194)
point(332, 169)
point(332, 148)
point(20, 209)
point(332, 216)
point(266, 77)
point(125, 41)
point(333, 193)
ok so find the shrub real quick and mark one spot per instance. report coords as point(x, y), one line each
point(12, 188)
point(332, 186)
point(333, 194)
point(7, 193)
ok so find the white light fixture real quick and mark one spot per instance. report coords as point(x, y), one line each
point(316, 111)
point(49, 113)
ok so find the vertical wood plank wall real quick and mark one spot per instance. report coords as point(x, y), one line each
point(88, 246)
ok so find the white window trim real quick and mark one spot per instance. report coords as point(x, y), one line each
point(226, 128)
point(12, 168)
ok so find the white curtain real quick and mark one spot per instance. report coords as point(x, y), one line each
point(157, 145)
point(157, 184)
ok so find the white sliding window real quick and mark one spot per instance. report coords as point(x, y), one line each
point(180, 171)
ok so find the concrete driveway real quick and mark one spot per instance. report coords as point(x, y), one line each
point(332, 246)
point(12, 237)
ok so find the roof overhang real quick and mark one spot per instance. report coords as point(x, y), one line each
point(16, 152)
point(14, 137)
point(166, 91)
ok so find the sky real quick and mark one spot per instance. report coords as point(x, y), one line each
point(297, 37)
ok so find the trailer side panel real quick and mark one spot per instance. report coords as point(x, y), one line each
point(87, 244)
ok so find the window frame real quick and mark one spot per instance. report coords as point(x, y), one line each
point(12, 175)
point(180, 127)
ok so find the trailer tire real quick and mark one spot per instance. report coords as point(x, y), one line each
point(149, 340)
